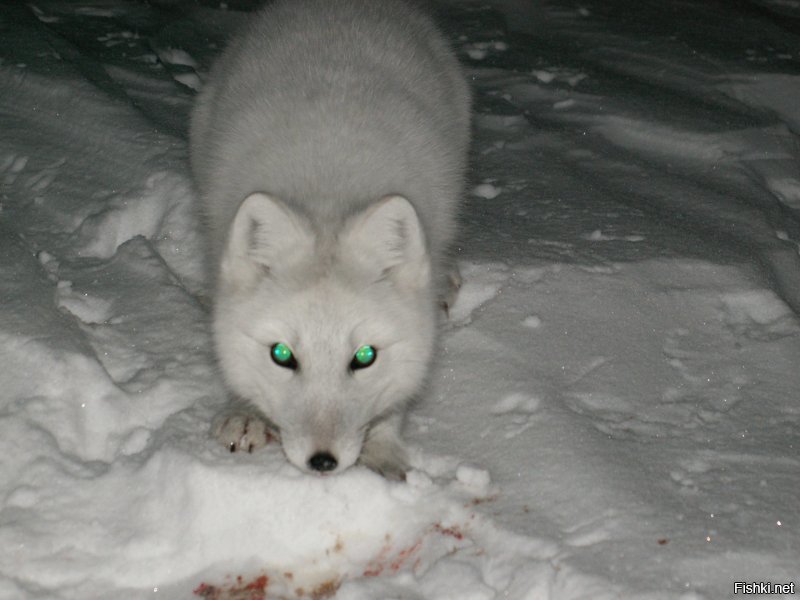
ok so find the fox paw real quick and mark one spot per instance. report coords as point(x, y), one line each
point(386, 458)
point(242, 433)
point(451, 288)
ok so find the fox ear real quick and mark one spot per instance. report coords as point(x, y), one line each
point(266, 235)
point(387, 239)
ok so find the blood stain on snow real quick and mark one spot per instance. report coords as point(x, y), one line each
point(454, 531)
point(386, 561)
point(373, 570)
point(322, 591)
point(377, 564)
point(403, 555)
point(255, 589)
point(325, 590)
point(383, 561)
point(481, 500)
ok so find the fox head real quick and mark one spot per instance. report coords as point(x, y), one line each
point(327, 333)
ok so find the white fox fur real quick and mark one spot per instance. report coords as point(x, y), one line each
point(329, 148)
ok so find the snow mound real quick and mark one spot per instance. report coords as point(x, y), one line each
point(161, 211)
point(181, 517)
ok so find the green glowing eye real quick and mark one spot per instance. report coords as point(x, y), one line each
point(363, 357)
point(283, 356)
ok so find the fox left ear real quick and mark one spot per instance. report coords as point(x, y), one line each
point(387, 239)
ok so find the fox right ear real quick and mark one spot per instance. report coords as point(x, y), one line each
point(266, 235)
point(387, 239)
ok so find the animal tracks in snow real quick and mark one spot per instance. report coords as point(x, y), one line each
point(519, 412)
point(708, 341)
point(758, 315)
point(11, 166)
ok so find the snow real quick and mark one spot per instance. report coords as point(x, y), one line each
point(487, 191)
point(613, 412)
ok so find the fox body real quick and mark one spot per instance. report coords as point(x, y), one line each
point(329, 148)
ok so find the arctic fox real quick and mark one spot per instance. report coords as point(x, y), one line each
point(329, 149)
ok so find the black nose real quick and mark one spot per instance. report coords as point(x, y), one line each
point(322, 461)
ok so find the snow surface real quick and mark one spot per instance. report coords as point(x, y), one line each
point(614, 412)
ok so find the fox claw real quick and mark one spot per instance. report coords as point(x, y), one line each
point(242, 432)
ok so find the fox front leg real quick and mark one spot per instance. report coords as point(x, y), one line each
point(384, 451)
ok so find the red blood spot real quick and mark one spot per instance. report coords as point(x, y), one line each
point(203, 590)
point(454, 531)
point(252, 590)
point(377, 564)
point(403, 555)
point(259, 584)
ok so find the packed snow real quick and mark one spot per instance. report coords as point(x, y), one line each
point(614, 410)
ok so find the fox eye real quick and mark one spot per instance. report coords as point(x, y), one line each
point(283, 356)
point(363, 357)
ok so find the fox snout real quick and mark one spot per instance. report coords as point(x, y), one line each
point(323, 453)
point(322, 462)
